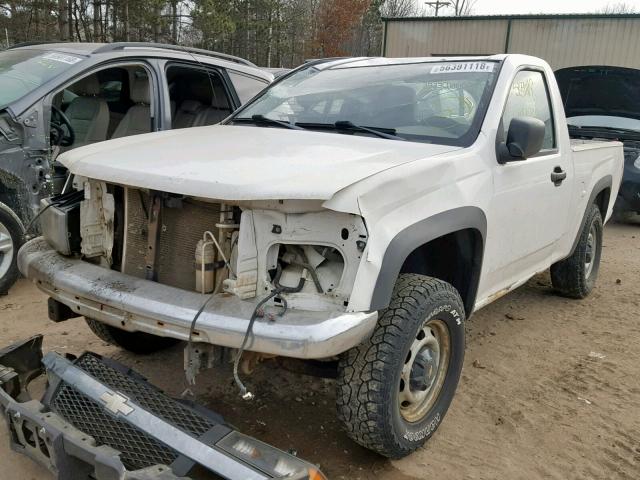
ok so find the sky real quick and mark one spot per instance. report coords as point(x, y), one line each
point(501, 7)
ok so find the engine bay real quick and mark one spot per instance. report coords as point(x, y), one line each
point(246, 249)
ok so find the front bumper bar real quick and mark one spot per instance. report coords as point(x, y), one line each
point(117, 408)
point(135, 304)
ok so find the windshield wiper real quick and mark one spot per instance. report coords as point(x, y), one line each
point(267, 121)
point(346, 125)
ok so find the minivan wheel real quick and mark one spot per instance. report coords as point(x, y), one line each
point(10, 241)
point(394, 389)
point(135, 342)
point(575, 277)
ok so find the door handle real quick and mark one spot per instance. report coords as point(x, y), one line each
point(558, 176)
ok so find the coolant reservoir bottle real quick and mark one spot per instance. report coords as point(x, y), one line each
point(205, 256)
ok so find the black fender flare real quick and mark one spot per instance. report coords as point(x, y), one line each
point(418, 234)
point(601, 185)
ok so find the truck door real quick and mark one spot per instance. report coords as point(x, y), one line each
point(531, 198)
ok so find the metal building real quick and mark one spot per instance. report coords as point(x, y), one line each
point(562, 40)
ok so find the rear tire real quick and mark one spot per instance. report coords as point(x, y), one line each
point(136, 342)
point(575, 276)
point(11, 237)
point(394, 389)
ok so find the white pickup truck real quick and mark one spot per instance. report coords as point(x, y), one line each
point(358, 211)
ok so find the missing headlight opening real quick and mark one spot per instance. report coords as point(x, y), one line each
point(322, 248)
point(311, 262)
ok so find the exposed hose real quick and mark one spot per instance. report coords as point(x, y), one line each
point(305, 264)
point(247, 395)
point(314, 274)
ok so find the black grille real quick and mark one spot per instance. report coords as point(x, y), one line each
point(139, 450)
point(146, 396)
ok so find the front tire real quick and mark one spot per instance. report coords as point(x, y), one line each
point(10, 241)
point(575, 277)
point(394, 389)
point(135, 342)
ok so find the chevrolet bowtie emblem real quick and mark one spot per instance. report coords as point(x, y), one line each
point(116, 403)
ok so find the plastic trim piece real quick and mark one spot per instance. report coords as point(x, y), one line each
point(601, 185)
point(419, 234)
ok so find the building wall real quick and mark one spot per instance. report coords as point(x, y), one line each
point(562, 41)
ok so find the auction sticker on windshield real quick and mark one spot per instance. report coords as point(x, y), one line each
point(61, 57)
point(484, 67)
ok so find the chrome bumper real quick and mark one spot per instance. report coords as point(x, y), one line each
point(134, 304)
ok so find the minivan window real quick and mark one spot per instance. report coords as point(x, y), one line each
point(24, 70)
point(432, 102)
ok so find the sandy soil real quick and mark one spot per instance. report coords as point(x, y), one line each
point(550, 387)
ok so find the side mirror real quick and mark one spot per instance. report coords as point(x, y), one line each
point(524, 139)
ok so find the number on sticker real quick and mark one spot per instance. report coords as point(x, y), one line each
point(483, 67)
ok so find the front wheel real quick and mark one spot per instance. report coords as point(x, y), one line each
point(395, 388)
point(576, 276)
point(10, 241)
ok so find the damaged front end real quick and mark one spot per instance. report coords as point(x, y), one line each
point(204, 270)
point(99, 420)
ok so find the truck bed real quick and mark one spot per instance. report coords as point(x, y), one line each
point(581, 144)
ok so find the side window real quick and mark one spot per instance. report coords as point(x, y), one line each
point(529, 97)
point(246, 87)
point(111, 90)
point(198, 97)
point(109, 103)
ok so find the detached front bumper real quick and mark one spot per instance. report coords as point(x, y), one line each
point(100, 420)
point(135, 304)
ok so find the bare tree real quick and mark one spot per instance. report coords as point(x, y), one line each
point(618, 7)
point(462, 8)
point(398, 8)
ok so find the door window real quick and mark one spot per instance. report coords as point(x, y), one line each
point(529, 97)
point(198, 97)
point(246, 87)
point(109, 103)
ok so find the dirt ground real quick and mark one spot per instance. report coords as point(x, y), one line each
point(550, 387)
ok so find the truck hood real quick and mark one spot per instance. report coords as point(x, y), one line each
point(601, 91)
point(243, 162)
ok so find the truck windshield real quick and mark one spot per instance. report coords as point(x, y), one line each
point(24, 70)
point(432, 102)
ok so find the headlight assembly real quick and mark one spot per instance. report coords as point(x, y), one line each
point(268, 459)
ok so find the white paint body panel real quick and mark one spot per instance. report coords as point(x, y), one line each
point(391, 184)
point(243, 162)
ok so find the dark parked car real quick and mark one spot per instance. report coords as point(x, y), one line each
point(604, 102)
point(55, 97)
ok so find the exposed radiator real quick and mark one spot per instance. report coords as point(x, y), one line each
point(182, 226)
